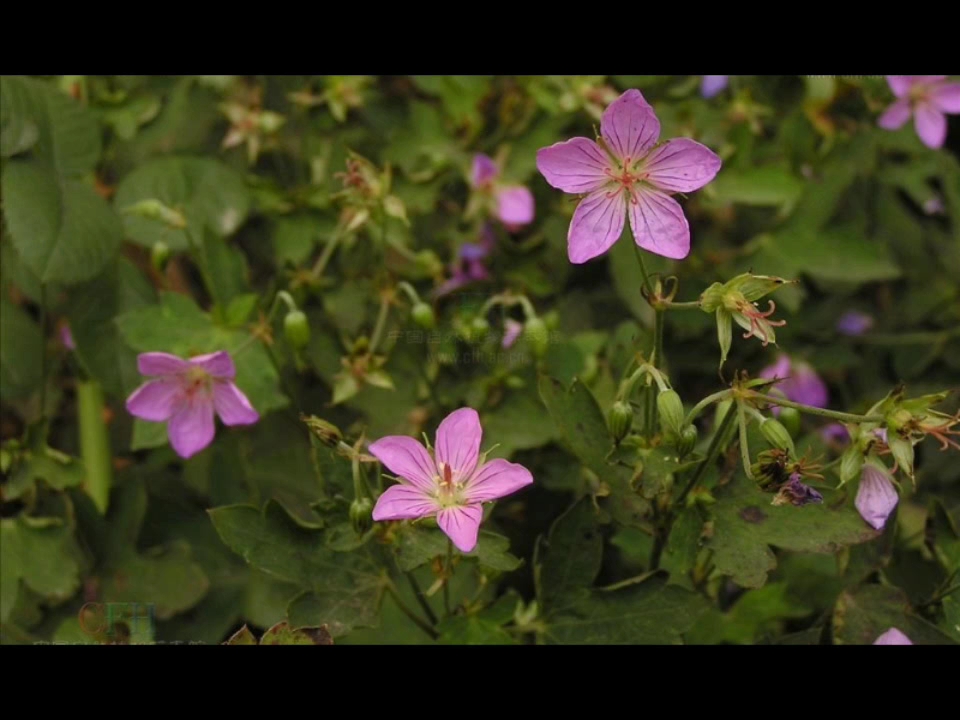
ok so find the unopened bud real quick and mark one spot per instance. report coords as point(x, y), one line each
point(670, 410)
point(536, 333)
point(328, 433)
point(270, 122)
point(686, 441)
point(620, 419)
point(361, 515)
point(790, 419)
point(423, 316)
point(777, 435)
point(160, 256)
point(297, 329)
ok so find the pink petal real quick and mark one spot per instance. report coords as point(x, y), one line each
point(155, 400)
point(515, 205)
point(877, 497)
point(232, 406)
point(780, 369)
point(218, 364)
point(190, 429)
point(946, 97)
point(681, 165)
point(461, 524)
point(574, 166)
point(404, 502)
point(931, 125)
point(406, 458)
point(458, 441)
point(496, 479)
point(597, 224)
point(659, 224)
point(629, 126)
point(713, 84)
point(901, 84)
point(512, 331)
point(484, 170)
point(895, 116)
point(893, 637)
point(158, 363)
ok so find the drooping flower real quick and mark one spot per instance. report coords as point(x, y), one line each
point(877, 496)
point(928, 98)
point(623, 173)
point(798, 382)
point(513, 205)
point(893, 636)
point(469, 266)
point(451, 483)
point(854, 323)
point(713, 85)
point(185, 394)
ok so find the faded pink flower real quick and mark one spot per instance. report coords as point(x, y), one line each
point(893, 637)
point(512, 330)
point(927, 98)
point(451, 483)
point(513, 204)
point(876, 497)
point(185, 394)
point(623, 173)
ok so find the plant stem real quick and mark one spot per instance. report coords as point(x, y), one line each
point(700, 406)
point(381, 322)
point(446, 579)
point(325, 256)
point(43, 350)
point(712, 451)
point(416, 619)
point(832, 414)
point(691, 305)
point(643, 269)
point(415, 586)
point(744, 448)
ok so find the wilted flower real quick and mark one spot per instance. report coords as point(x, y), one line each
point(854, 322)
point(713, 85)
point(623, 173)
point(893, 637)
point(927, 98)
point(451, 484)
point(185, 394)
point(877, 496)
point(794, 492)
point(798, 382)
point(512, 204)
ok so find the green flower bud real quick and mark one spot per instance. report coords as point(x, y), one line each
point(297, 329)
point(902, 452)
point(536, 333)
point(790, 419)
point(361, 515)
point(270, 122)
point(620, 419)
point(670, 410)
point(478, 328)
point(850, 464)
point(160, 256)
point(777, 435)
point(686, 441)
point(328, 433)
point(423, 316)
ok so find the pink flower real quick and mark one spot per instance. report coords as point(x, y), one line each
point(799, 382)
point(624, 174)
point(513, 204)
point(893, 637)
point(185, 394)
point(451, 484)
point(877, 496)
point(512, 331)
point(66, 337)
point(712, 85)
point(469, 266)
point(927, 98)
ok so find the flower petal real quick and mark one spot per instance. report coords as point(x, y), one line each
point(877, 497)
point(895, 116)
point(854, 322)
point(458, 441)
point(805, 386)
point(597, 224)
point(574, 166)
point(496, 479)
point(512, 330)
point(461, 524)
point(218, 364)
point(713, 84)
point(484, 170)
point(191, 427)
point(404, 502)
point(659, 224)
point(931, 125)
point(893, 637)
point(946, 97)
point(900, 85)
point(681, 165)
point(232, 405)
point(515, 205)
point(155, 400)
point(406, 458)
point(158, 363)
point(780, 369)
point(629, 126)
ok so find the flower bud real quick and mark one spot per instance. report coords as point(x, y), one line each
point(270, 122)
point(620, 419)
point(686, 441)
point(328, 433)
point(153, 209)
point(537, 335)
point(478, 328)
point(361, 515)
point(297, 329)
point(777, 435)
point(850, 464)
point(423, 316)
point(670, 410)
point(790, 419)
point(160, 256)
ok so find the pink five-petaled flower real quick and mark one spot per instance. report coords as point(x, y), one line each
point(927, 98)
point(185, 393)
point(876, 497)
point(514, 205)
point(893, 637)
point(450, 485)
point(623, 173)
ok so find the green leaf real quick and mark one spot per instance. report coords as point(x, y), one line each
point(863, 614)
point(837, 255)
point(243, 636)
point(579, 421)
point(21, 345)
point(574, 551)
point(48, 557)
point(763, 186)
point(755, 615)
point(417, 546)
point(11, 567)
point(745, 525)
point(282, 634)
point(942, 537)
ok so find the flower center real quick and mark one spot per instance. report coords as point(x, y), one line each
point(196, 380)
point(625, 177)
point(448, 486)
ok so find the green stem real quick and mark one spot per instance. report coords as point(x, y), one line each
point(381, 323)
point(200, 259)
point(643, 270)
point(700, 406)
point(832, 414)
point(416, 619)
point(691, 305)
point(325, 256)
point(43, 350)
point(446, 579)
point(94, 443)
point(744, 448)
point(712, 452)
point(421, 598)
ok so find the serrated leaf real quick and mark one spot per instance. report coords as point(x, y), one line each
point(573, 553)
point(863, 614)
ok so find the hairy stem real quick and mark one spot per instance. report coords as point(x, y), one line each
point(416, 619)
point(832, 414)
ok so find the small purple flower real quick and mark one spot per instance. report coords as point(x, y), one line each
point(469, 266)
point(877, 496)
point(713, 85)
point(835, 433)
point(513, 330)
point(799, 382)
point(514, 205)
point(794, 492)
point(928, 98)
point(625, 173)
point(66, 337)
point(854, 322)
point(451, 483)
point(893, 637)
point(185, 394)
